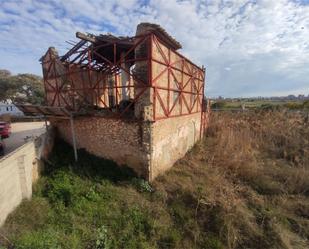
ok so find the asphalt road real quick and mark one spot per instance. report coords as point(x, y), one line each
point(20, 131)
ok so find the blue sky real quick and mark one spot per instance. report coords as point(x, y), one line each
point(249, 48)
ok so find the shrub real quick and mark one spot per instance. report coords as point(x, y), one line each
point(294, 105)
point(218, 105)
point(306, 104)
point(38, 240)
point(63, 187)
point(270, 107)
point(142, 185)
point(170, 239)
point(212, 242)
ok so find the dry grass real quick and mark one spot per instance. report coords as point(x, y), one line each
point(254, 168)
point(246, 185)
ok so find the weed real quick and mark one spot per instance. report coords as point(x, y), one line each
point(38, 240)
point(244, 186)
point(142, 185)
point(212, 242)
point(102, 241)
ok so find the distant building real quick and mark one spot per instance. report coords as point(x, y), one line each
point(9, 108)
point(291, 97)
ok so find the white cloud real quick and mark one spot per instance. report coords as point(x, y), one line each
point(248, 47)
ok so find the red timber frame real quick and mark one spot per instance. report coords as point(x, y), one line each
point(183, 79)
point(192, 87)
point(83, 59)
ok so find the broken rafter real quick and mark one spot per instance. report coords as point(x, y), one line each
point(86, 37)
point(73, 50)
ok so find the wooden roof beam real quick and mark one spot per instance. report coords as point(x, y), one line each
point(86, 37)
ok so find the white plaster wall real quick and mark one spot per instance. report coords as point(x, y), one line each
point(172, 138)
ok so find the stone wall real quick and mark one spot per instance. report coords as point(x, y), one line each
point(125, 142)
point(149, 148)
point(172, 138)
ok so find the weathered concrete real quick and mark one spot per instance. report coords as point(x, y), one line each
point(171, 139)
point(16, 178)
point(18, 171)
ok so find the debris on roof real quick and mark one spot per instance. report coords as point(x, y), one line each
point(161, 33)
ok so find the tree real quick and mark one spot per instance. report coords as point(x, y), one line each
point(4, 73)
point(21, 88)
point(7, 87)
point(29, 89)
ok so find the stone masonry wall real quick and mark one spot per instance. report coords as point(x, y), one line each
point(125, 142)
point(148, 148)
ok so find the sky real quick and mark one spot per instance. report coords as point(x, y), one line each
point(249, 48)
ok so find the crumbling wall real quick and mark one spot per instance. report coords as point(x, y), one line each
point(143, 105)
point(149, 148)
point(77, 87)
point(171, 139)
point(125, 142)
point(169, 91)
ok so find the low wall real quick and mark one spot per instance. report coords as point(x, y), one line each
point(16, 177)
point(18, 171)
point(171, 140)
point(149, 148)
point(125, 142)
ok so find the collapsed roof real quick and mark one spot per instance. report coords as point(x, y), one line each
point(114, 74)
point(104, 43)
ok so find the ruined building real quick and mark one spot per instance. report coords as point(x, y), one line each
point(134, 100)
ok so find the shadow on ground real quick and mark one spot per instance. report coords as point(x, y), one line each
point(88, 165)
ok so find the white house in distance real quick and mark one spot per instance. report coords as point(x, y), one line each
point(9, 108)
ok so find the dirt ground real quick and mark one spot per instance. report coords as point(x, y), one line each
point(20, 133)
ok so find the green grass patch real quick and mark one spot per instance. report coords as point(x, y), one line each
point(244, 186)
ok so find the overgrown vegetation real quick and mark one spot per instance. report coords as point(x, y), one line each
point(302, 105)
point(244, 186)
